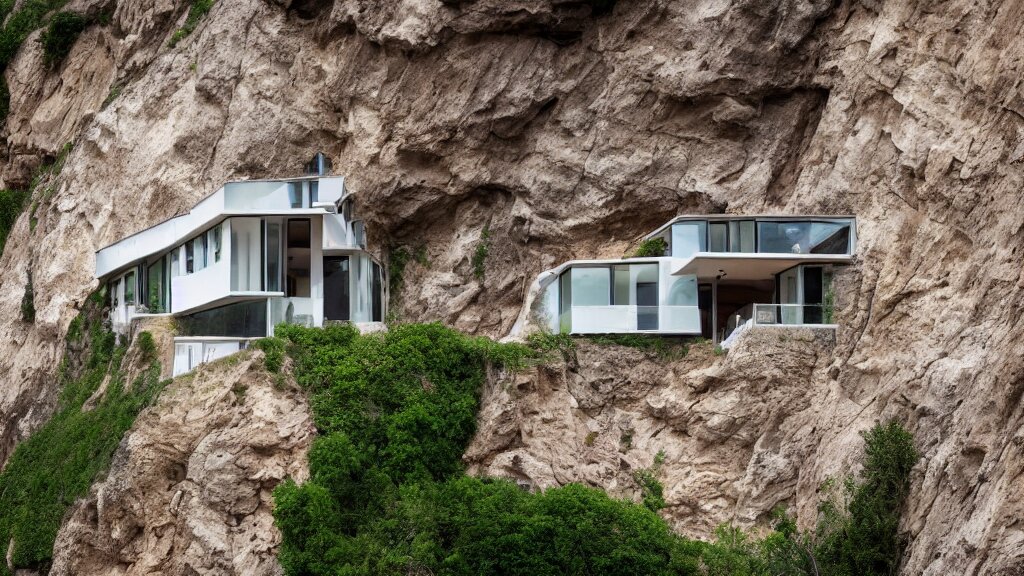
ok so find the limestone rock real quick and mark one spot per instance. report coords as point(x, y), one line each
point(571, 133)
point(189, 489)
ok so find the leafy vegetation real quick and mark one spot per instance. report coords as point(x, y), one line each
point(665, 348)
point(387, 495)
point(545, 342)
point(12, 202)
point(60, 35)
point(652, 247)
point(28, 302)
point(147, 347)
point(479, 259)
point(196, 12)
point(57, 464)
point(273, 353)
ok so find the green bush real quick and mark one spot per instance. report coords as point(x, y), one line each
point(60, 35)
point(652, 247)
point(480, 253)
point(147, 346)
point(273, 353)
point(57, 464)
point(12, 202)
point(28, 302)
point(196, 12)
point(666, 348)
point(387, 495)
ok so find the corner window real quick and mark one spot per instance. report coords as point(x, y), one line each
point(213, 245)
point(199, 250)
point(129, 288)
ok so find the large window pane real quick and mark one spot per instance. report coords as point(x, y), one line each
point(246, 260)
point(683, 291)
point(804, 237)
point(591, 286)
point(688, 238)
point(199, 251)
point(741, 236)
point(623, 294)
point(565, 301)
point(829, 238)
point(719, 233)
point(273, 252)
point(243, 320)
point(129, 288)
point(155, 299)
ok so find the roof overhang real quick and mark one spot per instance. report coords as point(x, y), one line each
point(750, 266)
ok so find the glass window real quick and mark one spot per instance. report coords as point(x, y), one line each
point(621, 294)
point(189, 258)
point(718, 233)
point(295, 194)
point(829, 238)
point(242, 320)
point(155, 297)
point(688, 238)
point(129, 288)
point(804, 237)
point(175, 259)
point(273, 256)
point(741, 236)
point(591, 286)
point(213, 244)
point(683, 291)
point(199, 252)
point(565, 301)
point(314, 192)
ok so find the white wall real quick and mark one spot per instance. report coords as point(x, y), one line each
point(199, 288)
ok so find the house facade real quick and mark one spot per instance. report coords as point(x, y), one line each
point(718, 274)
point(249, 256)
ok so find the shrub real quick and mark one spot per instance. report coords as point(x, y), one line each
point(147, 346)
point(545, 342)
point(196, 12)
point(666, 348)
point(57, 464)
point(60, 35)
point(273, 353)
point(651, 247)
point(387, 495)
point(28, 303)
point(12, 202)
point(479, 259)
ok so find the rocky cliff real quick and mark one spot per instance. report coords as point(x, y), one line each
point(570, 129)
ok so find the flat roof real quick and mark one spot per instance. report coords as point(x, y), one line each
point(766, 217)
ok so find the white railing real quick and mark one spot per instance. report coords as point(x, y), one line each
point(626, 318)
point(792, 315)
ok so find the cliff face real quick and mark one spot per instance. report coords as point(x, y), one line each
point(570, 134)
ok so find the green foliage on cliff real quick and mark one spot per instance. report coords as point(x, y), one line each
point(12, 202)
point(196, 12)
point(60, 35)
point(651, 248)
point(387, 493)
point(57, 464)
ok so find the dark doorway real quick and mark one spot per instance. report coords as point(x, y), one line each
point(336, 292)
point(704, 301)
point(299, 255)
point(813, 295)
point(646, 305)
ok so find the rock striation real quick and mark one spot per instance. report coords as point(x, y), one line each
point(189, 489)
point(570, 129)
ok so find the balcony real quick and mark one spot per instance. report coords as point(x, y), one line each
point(627, 318)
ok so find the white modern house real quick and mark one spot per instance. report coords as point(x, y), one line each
point(249, 256)
point(718, 273)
